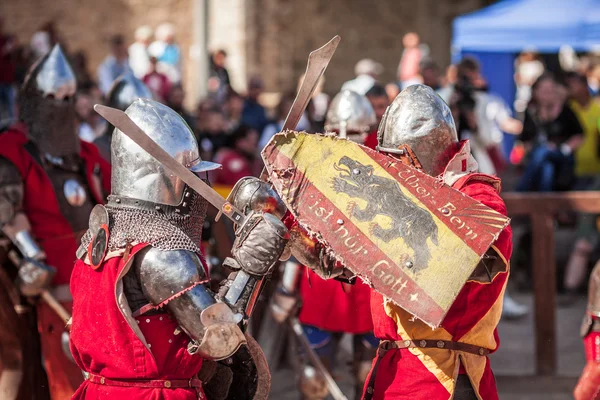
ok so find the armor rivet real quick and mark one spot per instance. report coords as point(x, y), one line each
point(167, 384)
point(441, 344)
point(170, 340)
point(177, 331)
point(422, 343)
point(407, 343)
point(408, 264)
point(184, 204)
point(481, 351)
point(370, 390)
point(149, 345)
point(248, 264)
point(187, 194)
point(177, 210)
point(445, 211)
point(340, 221)
point(148, 320)
point(117, 200)
point(356, 171)
point(157, 208)
point(160, 319)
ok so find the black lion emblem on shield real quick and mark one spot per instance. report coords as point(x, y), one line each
point(384, 197)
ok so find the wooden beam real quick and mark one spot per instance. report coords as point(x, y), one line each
point(544, 283)
point(552, 203)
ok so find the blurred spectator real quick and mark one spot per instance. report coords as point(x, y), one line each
point(451, 76)
point(7, 74)
point(157, 82)
point(79, 63)
point(238, 158)
point(232, 110)
point(594, 80)
point(528, 68)
point(44, 39)
point(281, 112)
point(91, 125)
point(587, 157)
point(114, 65)
point(408, 68)
point(392, 90)
point(139, 60)
point(175, 101)
point(167, 52)
point(380, 101)
point(210, 129)
point(218, 82)
point(254, 115)
point(430, 73)
point(481, 116)
point(553, 133)
point(367, 71)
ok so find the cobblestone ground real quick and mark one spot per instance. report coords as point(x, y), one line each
point(513, 364)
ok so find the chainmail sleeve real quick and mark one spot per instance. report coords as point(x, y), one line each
point(11, 191)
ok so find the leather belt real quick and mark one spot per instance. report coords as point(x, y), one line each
point(386, 345)
point(434, 344)
point(147, 383)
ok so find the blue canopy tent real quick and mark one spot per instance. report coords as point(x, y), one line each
point(496, 34)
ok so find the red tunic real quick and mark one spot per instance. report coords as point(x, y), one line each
point(107, 341)
point(235, 167)
point(335, 306)
point(56, 237)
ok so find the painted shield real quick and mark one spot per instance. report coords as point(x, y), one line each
point(413, 238)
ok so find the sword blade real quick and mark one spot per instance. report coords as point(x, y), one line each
point(318, 60)
point(122, 121)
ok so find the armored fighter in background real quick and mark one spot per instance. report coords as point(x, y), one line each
point(151, 339)
point(124, 91)
point(49, 183)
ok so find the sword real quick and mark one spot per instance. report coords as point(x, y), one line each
point(122, 121)
point(334, 389)
point(318, 60)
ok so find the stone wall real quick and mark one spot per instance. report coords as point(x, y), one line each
point(286, 31)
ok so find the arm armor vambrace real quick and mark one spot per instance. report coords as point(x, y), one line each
point(176, 279)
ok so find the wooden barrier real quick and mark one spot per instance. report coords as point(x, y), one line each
point(542, 209)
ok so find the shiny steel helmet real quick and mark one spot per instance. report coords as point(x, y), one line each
point(350, 112)
point(46, 102)
point(125, 90)
point(420, 119)
point(136, 174)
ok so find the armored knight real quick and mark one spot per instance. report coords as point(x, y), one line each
point(330, 308)
point(413, 360)
point(350, 115)
point(144, 318)
point(588, 387)
point(124, 91)
point(49, 183)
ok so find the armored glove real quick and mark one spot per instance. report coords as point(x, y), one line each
point(313, 254)
point(34, 277)
point(259, 244)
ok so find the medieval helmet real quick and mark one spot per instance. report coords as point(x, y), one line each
point(46, 102)
point(350, 112)
point(420, 119)
point(125, 90)
point(136, 174)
